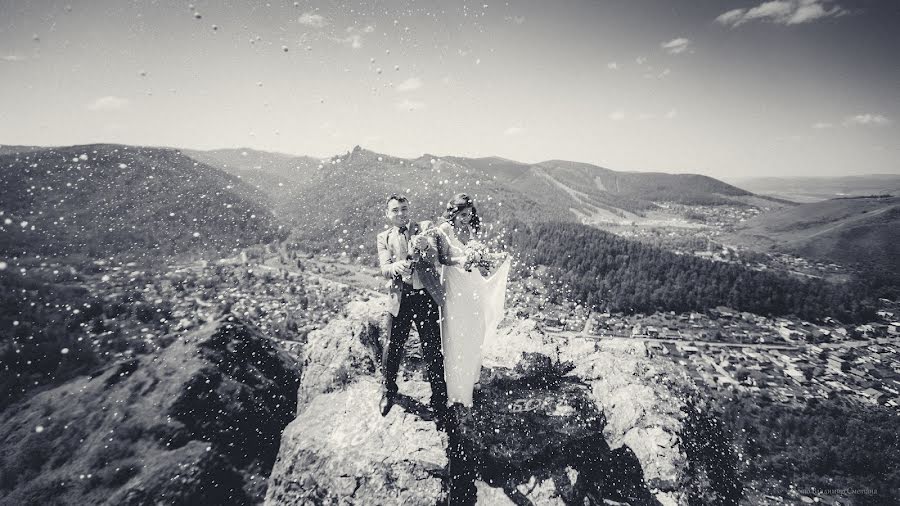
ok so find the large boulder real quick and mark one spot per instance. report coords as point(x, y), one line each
point(641, 397)
point(557, 421)
point(340, 450)
point(345, 349)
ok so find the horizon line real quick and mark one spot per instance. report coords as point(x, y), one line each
point(426, 154)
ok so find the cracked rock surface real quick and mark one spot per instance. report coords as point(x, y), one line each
point(556, 422)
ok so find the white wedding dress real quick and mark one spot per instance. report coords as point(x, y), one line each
point(472, 310)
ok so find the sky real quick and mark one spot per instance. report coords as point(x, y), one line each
point(726, 88)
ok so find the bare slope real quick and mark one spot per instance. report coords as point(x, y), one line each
point(850, 231)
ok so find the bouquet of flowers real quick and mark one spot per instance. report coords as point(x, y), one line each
point(478, 256)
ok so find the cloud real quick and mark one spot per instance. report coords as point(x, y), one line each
point(354, 36)
point(13, 58)
point(732, 18)
point(109, 103)
point(868, 119)
point(612, 65)
point(515, 19)
point(671, 114)
point(822, 125)
point(617, 115)
point(650, 73)
point(353, 40)
point(783, 12)
point(409, 105)
point(513, 130)
point(676, 46)
point(413, 83)
point(640, 60)
point(313, 20)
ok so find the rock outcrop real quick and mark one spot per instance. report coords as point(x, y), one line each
point(198, 421)
point(557, 421)
point(338, 448)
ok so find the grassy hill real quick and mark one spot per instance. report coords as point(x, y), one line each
point(103, 199)
point(861, 231)
point(591, 190)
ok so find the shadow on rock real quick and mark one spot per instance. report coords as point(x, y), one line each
point(414, 407)
point(535, 433)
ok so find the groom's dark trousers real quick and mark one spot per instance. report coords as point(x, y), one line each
point(417, 306)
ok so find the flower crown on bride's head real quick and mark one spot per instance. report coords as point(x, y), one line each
point(459, 202)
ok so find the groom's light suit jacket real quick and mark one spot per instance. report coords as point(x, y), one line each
point(390, 249)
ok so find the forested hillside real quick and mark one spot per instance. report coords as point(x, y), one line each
point(102, 199)
point(617, 274)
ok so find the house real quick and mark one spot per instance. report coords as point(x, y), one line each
point(835, 364)
point(858, 372)
point(725, 312)
point(894, 329)
point(872, 370)
point(791, 335)
point(865, 330)
point(657, 348)
point(873, 395)
point(795, 374)
point(785, 323)
point(689, 349)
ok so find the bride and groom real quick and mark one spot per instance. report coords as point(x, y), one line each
point(434, 286)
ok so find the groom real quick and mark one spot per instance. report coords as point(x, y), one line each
point(416, 294)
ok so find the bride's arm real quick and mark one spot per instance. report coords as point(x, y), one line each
point(444, 241)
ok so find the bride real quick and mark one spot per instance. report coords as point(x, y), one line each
point(473, 306)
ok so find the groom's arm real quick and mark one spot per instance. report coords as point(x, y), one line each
point(388, 269)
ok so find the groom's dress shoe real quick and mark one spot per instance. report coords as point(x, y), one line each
point(387, 401)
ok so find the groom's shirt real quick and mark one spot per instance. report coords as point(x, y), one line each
point(403, 238)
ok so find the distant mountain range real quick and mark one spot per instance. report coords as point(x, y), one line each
point(103, 199)
point(341, 198)
point(591, 188)
point(100, 199)
point(814, 189)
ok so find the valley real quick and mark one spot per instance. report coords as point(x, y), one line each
point(174, 299)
